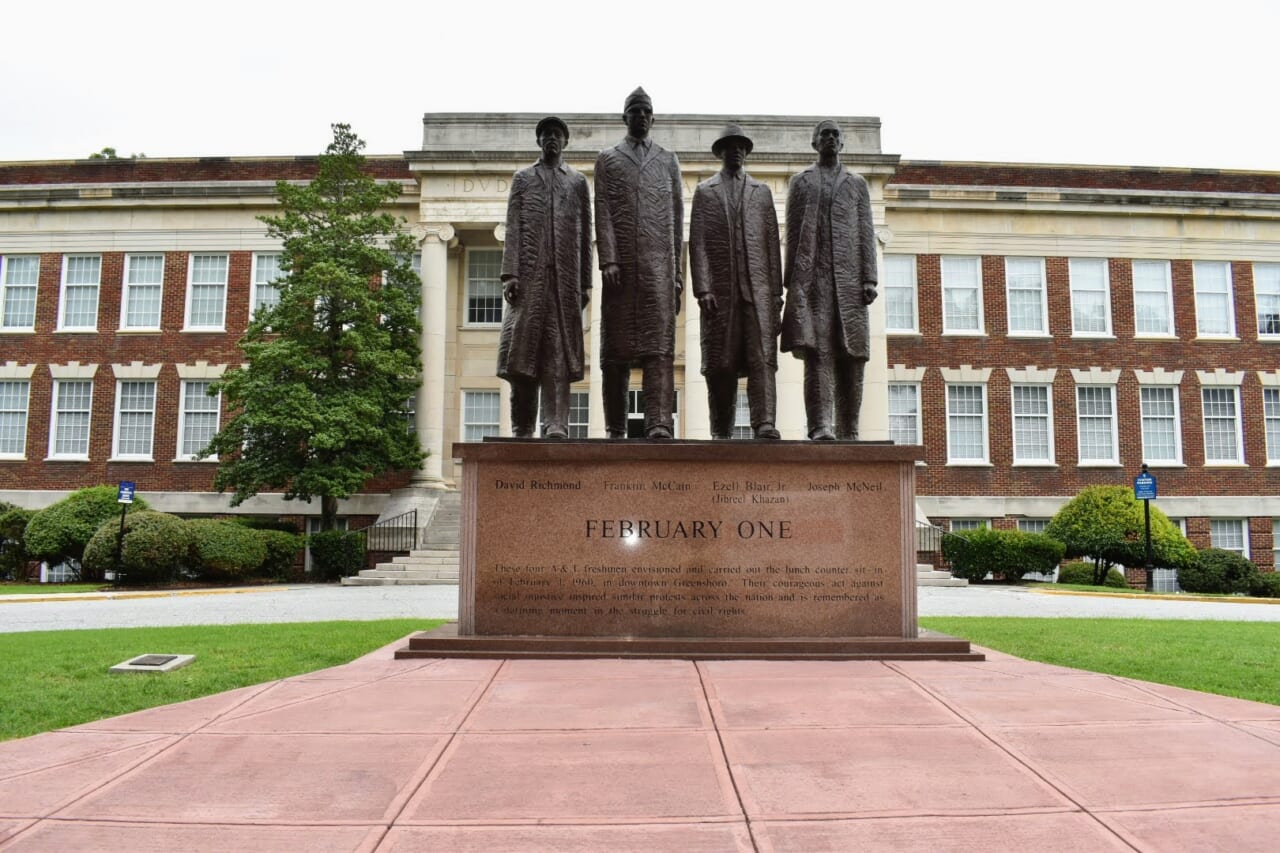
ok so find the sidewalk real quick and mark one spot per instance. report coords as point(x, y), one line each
point(384, 755)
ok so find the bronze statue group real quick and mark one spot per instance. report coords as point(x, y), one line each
point(739, 279)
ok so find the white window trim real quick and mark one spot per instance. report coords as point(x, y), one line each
point(125, 287)
point(53, 423)
point(1115, 432)
point(466, 291)
point(1109, 331)
point(919, 427)
point(1044, 300)
point(1244, 535)
point(26, 416)
point(253, 279)
point(462, 410)
point(1168, 302)
point(1232, 333)
point(4, 287)
point(980, 331)
point(226, 286)
point(62, 294)
point(909, 261)
point(116, 455)
point(1177, 461)
point(985, 461)
point(179, 456)
point(1273, 453)
point(1239, 461)
point(1013, 433)
point(1257, 315)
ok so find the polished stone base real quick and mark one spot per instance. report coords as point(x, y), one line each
point(444, 642)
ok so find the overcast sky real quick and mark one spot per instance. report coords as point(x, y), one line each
point(1120, 82)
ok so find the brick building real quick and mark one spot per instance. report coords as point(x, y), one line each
point(1044, 327)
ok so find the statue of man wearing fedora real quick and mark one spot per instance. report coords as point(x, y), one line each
point(640, 234)
point(546, 278)
point(830, 279)
point(736, 264)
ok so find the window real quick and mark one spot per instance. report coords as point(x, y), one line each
point(1152, 299)
point(135, 419)
point(266, 274)
point(1161, 427)
point(484, 287)
point(1222, 439)
point(1266, 290)
point(742, 417)
point(961, 295)
point(966, 424)
point(1090, 297)
point(961, 524)
point(207, 293)
point(1033, 525)
point(479, 414)
point(904, 412)
point(579, 413)
point(78, 309)
point(1229, 534)
point(69, 435)
point(19, 277)
point(1025, 293)
point(197, 418)
point(1096, 424)
point(1275, 544)
point(1032, 424)
point(143, 281)
point(1271, 417)
point(900, 293)
point(1215, 314)
point(14, 397)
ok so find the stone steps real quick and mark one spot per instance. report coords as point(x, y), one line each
point(926, 576)
point(424, 566)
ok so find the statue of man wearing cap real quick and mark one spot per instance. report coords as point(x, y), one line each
point(640, 233)
point(736, 264)
point(546, 279)
point(830, 279)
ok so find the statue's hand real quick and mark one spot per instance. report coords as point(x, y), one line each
point(612, 275)
point(511, 290)
point(707, 302)
point(869, 294)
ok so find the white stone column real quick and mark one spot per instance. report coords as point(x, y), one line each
point(429, 414)
point(595, 396)
point(696, 411)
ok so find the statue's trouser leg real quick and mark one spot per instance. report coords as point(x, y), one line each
point(554, 373)
point(849, 372)
point(819, 388)
point(555, 404)
point(524, 406)
point(722, 400)
point(615, 378)
point(659, 392)
point(762, 393)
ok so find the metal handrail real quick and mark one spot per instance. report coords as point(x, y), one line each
point(398, 533)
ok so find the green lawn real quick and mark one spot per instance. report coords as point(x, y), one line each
point(49, 588)
point(1239, 659)
point(53, 679)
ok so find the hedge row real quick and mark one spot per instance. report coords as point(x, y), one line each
point(1007, 554)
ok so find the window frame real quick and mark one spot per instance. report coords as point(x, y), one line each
point(118, 416)
point(579, 404)
point(465, 425)
point(1237, 432)
point(258, 286)
point(188, 325)
point(947, 328)
point(6, 268)
point(1273, 296)
point(908, 290)
point(742, 416)
point(916, 423)
point(24, 416)
point(128, 291)
point(1046, 416)
point(1097, 461)
point(184, 394)
point(1166, 292)
point(1043, 291)
point(56, 420)
point(984, 415)
point(1271, 425)
point(62, 292)
point(470, 281)
point(1229, 298)
point(1242, 525)
point(1108, 330)
point(1176, 418)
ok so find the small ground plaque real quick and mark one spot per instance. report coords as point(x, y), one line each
point(153, 663)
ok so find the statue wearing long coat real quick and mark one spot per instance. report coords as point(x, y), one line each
point(548, 227)
point(717, 269)
point(852, 262)
point(639, 227)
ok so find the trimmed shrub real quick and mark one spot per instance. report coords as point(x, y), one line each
point(224, 552)
point(1218, 571)
point(1265, 585)
point(61, 531)
point(1002, 553)
point(1081, 573)
point(282, 553)
point(1106, 524)
point(154, 548)
point(13, 552)
point(335, 554)
point(259, 523)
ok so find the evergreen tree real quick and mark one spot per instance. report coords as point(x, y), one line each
point(319, 406)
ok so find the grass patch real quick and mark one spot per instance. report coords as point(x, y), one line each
point(49, 588)
point(1086, 587)
point(54, 679)
point(1240, 659)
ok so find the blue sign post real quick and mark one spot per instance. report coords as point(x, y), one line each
point(124, 497)
point(1144, 489)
